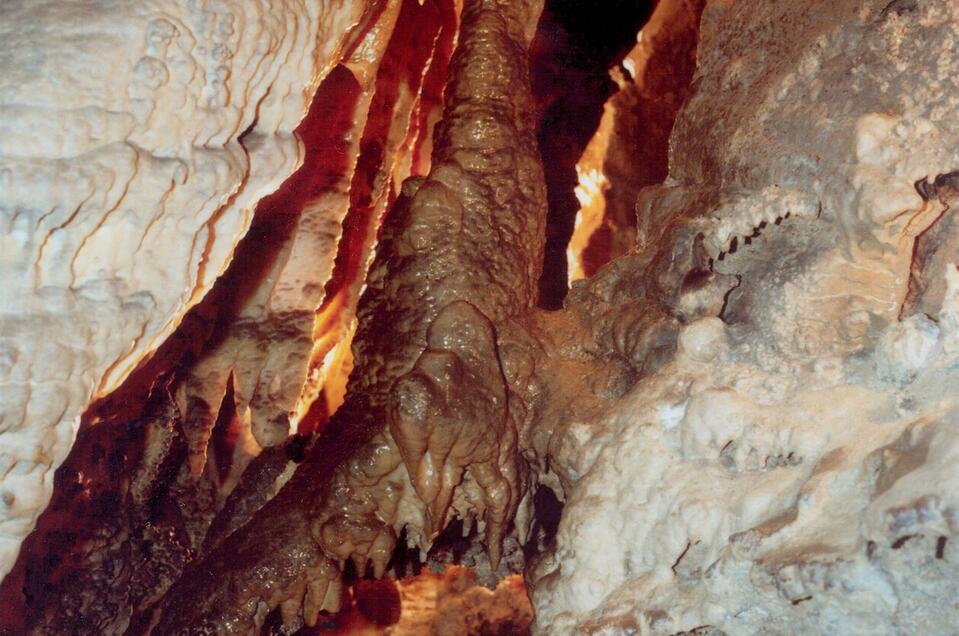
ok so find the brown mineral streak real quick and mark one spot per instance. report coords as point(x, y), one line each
point(459, 256)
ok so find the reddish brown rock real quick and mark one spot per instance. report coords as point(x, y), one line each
point(631, 146)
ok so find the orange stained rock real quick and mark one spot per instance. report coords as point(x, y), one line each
point(629, 150)
point(459, 254)
point(402, 114)
point(243, 355)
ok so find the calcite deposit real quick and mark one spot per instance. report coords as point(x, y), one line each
point(790, 470)
point(457, 257)
point(136, 141)
point(741, 424)
point(369, 119)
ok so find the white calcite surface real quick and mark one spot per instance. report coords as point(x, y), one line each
point(135, 141)
point(795, 468)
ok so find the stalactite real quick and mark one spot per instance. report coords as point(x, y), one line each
point(458, 256)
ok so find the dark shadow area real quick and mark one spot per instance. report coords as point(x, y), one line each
point(576, 43)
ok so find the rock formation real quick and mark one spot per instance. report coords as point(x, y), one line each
point(365, 131)
point(788, 471)
point(136, 142)
point(746, 417)
point(630, 148)
point(457, 257)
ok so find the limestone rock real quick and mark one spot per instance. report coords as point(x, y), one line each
point(136, 140)
point(790, 470)
point(748, 419)
point(459, 255)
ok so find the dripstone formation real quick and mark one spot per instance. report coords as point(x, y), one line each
point(747, 420)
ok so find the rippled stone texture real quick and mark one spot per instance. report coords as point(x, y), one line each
point(136, 140)
point(748, 419)
point(788, 470)
point(236, 366)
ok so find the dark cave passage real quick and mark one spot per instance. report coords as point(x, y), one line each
point(576, 44)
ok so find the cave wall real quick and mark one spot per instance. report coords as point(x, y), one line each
point(137, 140)
point(254, 360)
point(791, 469)
point(630, 148)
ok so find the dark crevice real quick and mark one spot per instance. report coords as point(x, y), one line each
point(406, 561)
point(547, 513)
point(117, 421)
point(576, 43)
point(680, 557)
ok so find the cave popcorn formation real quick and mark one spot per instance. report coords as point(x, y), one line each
point(749, 418)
